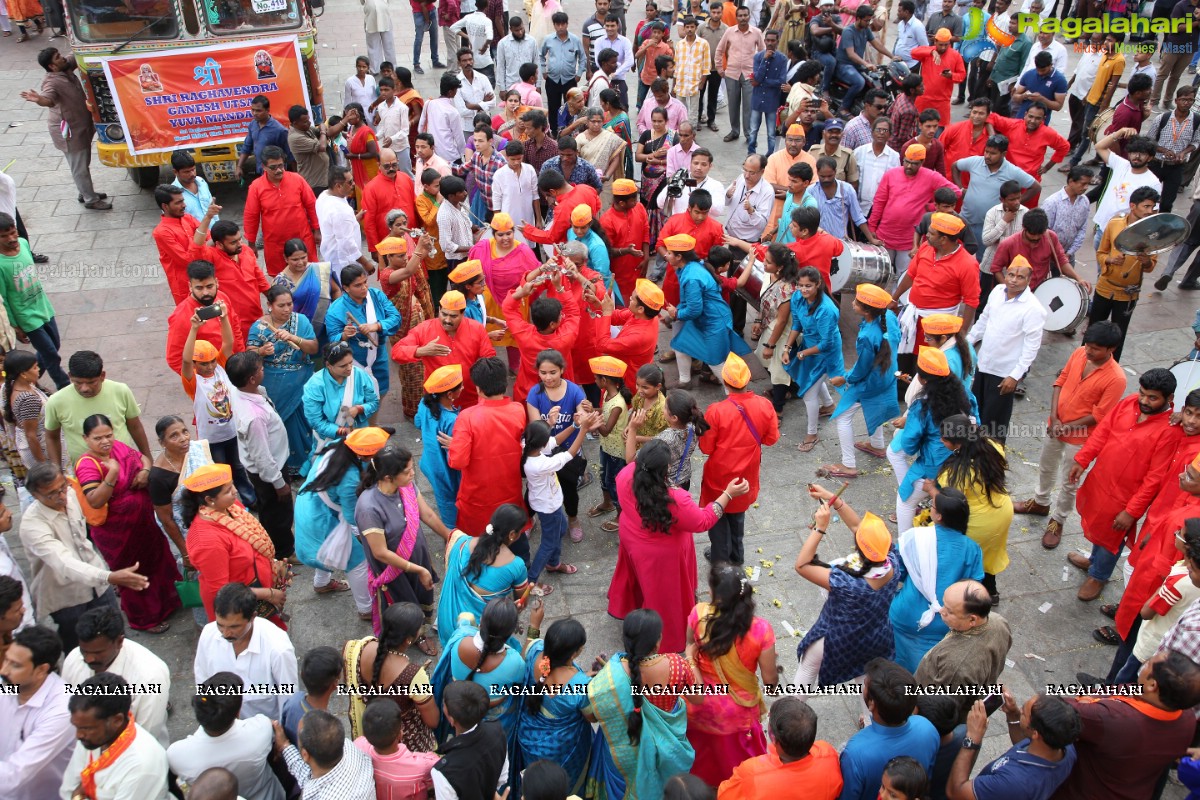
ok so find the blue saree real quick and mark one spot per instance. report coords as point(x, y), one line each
point(284, 376)
point(457, 595)
point(311, 296)
point(559, 732)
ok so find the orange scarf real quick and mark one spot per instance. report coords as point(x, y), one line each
point(87, 778)
point(243, 525)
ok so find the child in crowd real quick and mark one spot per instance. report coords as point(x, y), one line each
point(615, 398)
point(649, 410)
point(319, 672)
point(904, 779)
point(400, 773)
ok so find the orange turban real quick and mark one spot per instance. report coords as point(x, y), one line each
point(795, 129)
point(933, 361)
point(204, 352)
point(941, 324)
point(680, 243)
point(946, 223)
point(735, 372)
point(873, 538)
point(871, 295)
point(466, 271)
point(607, 365)
point(915, 152)
point(453, 301)
point(210, 476)
point(649, 293)
point(443, 379)
point(502, 222)
point(582, 215)
point(943, 35)
point(391, 245)
point(623, 187)
point(1021, 261)
point(367, 441)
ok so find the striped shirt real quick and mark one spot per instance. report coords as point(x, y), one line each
point(1068, 220)
point(692, 60)
point(484, 172)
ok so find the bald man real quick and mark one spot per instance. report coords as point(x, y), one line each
point(215, 783)
point(390, 189)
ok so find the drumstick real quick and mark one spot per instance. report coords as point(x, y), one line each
point(276, 331)
point(374, 342)
point(845, 485)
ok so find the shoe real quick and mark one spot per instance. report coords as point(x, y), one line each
point(1162, 283)
point(418, 70)
point(731, 137)
point(1053, 535)
point(708, 554)
point(1189, 286)
point(99, 205)
point(959, 101)
point(1090, 590)
point(438, 65)
point(100, 195)
point(1031, 507)
point(1079, 561)
point(39, 258)
point(1088, 679)
point(995, 600)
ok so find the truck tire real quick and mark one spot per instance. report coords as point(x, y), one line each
point(145, 177)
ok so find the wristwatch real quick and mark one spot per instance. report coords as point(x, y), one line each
point(968, 744)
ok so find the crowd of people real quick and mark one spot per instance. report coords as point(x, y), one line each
point(532, 208)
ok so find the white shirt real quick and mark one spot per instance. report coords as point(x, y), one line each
point(871, 168)
point(1085, 73)
point(749, 225)
point(479, 30)
point(8, 195)
point(1056, 49)
point(140, 773)
point(709, 184)
point(137, 665)
point(441, 117)
point(269, 658)
point(393, 124)
point(377, 18)
point(359, 92)
point(1011, 332)
point(513, 194)
point(541, 476)
point(473, 92)
point(510, 55)
point(9, 567)
point(442, 790)
point(66, 569)
point(36, 741)
point(243, 750)
point(213, 407)
point(262, 438)
point(1122, 181)
point(341, 238)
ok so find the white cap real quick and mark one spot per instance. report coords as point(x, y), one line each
point(824, 3)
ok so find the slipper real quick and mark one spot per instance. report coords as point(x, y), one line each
point(709, 378)
point(426, 646)
point(542, 589)
point(565, 569)
point(892, 518)
point(806, 447)
point(1109, 610)
point(576, 535)
point(828, 471)
point(332, 586)
point(871, 451)
point(158, 629)
point(585, 480)
point(612, 526)
point(1107, 635)
point(826, 411)
point(666, 358)
point(599, 510)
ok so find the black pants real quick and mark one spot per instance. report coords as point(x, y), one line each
point(227, 453)
point(995, 409)
point(1119, 311)
point(737, 303)
point(1124, 651)
point(726, 538)
point(276, 515)
point(708, 97)
point(490, 71)
point(906, 363)
point(66, 618)
point(556, 95)
point(987, 282)
point(1171, 176)
point(568, 478)
point(1076, 106)
point(439, 282)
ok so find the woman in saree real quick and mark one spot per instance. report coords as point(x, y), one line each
point(328, 499)
point(376, 664)
point(390, 512)
point(651, 153)
point(113, 475)
point(313, 284)
point(435, 420)
point(399, 228)
point(732, 646)
point(556, 723)
point(287, 343)
point(403, 280)
point(505, 121)
point(604, 150)
point(362, 150)
point(642, 740)
point(482, 569)
point(617, 120)
point(505, 263)
point(339, 398)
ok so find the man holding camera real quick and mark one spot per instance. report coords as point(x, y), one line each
point(680, 186)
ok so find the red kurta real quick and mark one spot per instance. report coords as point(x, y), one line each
point(959, 141)
point(708, 235)
point(630, 229)
point(565, 204)
point(1130, 462)
point(585, 342)
point(469, 344)
point(741, 455)
point(487, 450)
point(179, 325)
point(938, 88)
point(634, 343)
point(174, 239)
point(242, 281)
point(1028, 150)
point(530, 342)
point(380, 196)
point(288, 211)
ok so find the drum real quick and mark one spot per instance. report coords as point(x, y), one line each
point(860, 263)
point(1187, 378)
point(753, 289)
point(1066, 304)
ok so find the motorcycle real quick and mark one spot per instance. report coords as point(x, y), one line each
point(887, 78)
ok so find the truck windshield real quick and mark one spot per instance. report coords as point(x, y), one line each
point(118, 20)
point(239, 17)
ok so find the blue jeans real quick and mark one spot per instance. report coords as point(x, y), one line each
point(609, 467)
point(46, 342)
point(756, 120)
point(1089, 114)
point(422, 26)
point(1103, 562)
point(1129, 672)
point(554, 525)
point(855, 80)
point(829, 67)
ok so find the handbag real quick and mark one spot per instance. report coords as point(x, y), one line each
point(189, 591)
point(93, 516)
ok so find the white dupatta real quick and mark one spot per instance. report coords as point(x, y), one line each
point(918, 548)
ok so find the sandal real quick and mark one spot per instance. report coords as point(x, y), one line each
point(612, 526)
point(1109, 610)
point(892, 518)
point(565, 569)
point(709, 378)
point(599, 510)
point(1107, 635)
point(835, 471)
point(365, 616)
point(806, 446)
point(158, 629)
point(426, 646)
point(666, 358)
point(332, 586)
point(541, 590)
point(826, 411)
point(871, 451)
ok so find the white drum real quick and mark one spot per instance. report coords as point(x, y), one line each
point(1066, 304)
point(1187, 378)
point(860, 263)
point(756, 283)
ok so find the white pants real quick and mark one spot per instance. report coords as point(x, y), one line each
point(1057, 457)
point(356, 577)
point(692, 104)
point(845, 429)
point(684, 362)
point(817, 395)
point(809, 671)
point(380, 48)
point(905, 509)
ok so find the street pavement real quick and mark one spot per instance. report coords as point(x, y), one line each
point(111, 297)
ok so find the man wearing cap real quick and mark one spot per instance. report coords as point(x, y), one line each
point(441, 119)
point(514, 188)
point(566, 196)
point(1010, 329)
point(637, 328)
point(627, 226)
point(738, 428)
point(553, 324)
point(390, 189)
point(987, 173)
point(236, 267)
point(831, 147)
point(173, 237)
point(941, 68)
point(449, 339)
point(900, 202)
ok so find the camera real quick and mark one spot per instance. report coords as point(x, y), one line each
point(677, 182)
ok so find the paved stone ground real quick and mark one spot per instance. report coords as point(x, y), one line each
point(110, 296)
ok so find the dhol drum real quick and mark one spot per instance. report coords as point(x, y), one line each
point(1187, 378)
point(1066, 304)
point(752, 290)
point(860, 263)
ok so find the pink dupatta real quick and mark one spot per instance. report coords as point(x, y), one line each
point(378, 583)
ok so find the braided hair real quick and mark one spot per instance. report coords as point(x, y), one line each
point(732, 609)
point(640, 634)
point(564, 638)
point(650, 487)
point(401, 622)
point(883, 356)
point(499, 622)
point(505, 520)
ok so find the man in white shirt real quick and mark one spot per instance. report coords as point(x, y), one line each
point(341, 236)
point(1045, 42)
point(327, 765)
point(475, 94)
point(613, 40)
point(263, 441)
point(1124, 174)
point(909, 33)
point(1081, 83)
point(476, 29)
point(750, 200)
point(514, 187)
point(874, 159)
point(698, 170)
point(514, 50)
point(427, 157)
point(37, 737)
point(1010, 329)
point(441, 118)
point(391, 124)
point(104, 648)
point(104, 725)
point(256, 649)
point(377, 22)
point(456, 229)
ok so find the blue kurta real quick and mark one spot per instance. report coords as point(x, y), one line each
point(323, 403)
point(958, 558)
point(818, 328)
point(315, 519)
point(476, 311)
point(385, 314)
point(441, 477)
point(873, 387)
point(707, 331)
point(921, 437)
point(967, 375)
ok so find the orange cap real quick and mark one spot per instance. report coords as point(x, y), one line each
point(607, 365)
point(444, 378)
point(367, 442)
point(795, 129)
point(208, 477)
point(735, 372)
point(933, 361)
point(582, 215)
point(624, 186)
point(915, 152)
point(453, 301)
point(873, 538)
point(943, 35)
point(946, 223)
point(1021, 261)
point(941, 324)
point(466, 271)
point(680, 243)
point(502, 222)
point(649, 293)
point(391, 245)
point(871, 295)
point(204, 352)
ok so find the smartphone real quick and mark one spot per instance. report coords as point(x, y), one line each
point(992, 702)
point(209, 312)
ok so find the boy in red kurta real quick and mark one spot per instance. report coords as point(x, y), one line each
point(287, 208)
point(941, 69)
point(553, 325)
point(635, 342)
point(567, 198)
point(449, 339)
point(627, 227)
point(486, 448)
point(739, 426)
point(238, 273)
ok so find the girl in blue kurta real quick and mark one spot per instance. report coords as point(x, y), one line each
point(339, 398)
point(819, 356)
point(930, 560)
point(435, 418)
point(467, 278)
point(941, 396)
point(374, 320)
point(944, 331)
point(705, 329)
point(871, 385)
